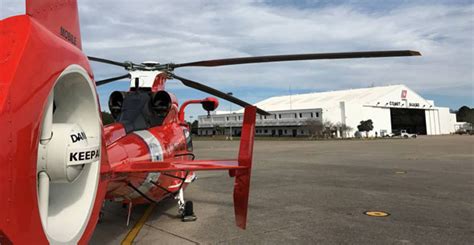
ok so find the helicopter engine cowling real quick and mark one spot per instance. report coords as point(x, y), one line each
point(142, 109)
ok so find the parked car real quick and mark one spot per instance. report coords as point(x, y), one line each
point(402, 134)
point(389, 135)
point(406, 135)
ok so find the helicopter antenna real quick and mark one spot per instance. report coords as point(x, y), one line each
point(137, 83)
point(289, 89)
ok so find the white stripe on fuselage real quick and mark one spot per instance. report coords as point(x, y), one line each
point(156, 155)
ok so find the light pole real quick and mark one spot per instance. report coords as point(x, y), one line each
point(191, 125)
point(230, 113)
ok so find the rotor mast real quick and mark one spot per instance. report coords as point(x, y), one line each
point(153, 80)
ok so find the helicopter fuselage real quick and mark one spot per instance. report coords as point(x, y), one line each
point(171, 141)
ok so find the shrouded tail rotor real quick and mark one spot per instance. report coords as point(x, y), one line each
point(69, 154)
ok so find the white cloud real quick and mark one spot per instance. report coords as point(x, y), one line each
point(193, 30)
point(181, 31)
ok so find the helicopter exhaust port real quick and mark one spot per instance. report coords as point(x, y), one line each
point(161, 102)
point(116, 103)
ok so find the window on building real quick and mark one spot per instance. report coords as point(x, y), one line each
point(301, 115)
point(275, 116)
point(317, 114)
point(302, 131)
point(311, 115)
point(266, 131)
point(285, 131)
point(279, 116)
point(227, 118)
point(264, 117)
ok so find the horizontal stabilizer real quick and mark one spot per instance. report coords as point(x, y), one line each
point(194, 165)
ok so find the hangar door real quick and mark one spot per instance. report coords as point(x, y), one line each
point(413, 120)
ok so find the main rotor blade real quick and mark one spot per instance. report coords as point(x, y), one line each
point(108, 80)
point(215, 92)
point(110, 62)
point(294, 57)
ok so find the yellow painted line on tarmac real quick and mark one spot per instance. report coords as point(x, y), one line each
point(133, 233)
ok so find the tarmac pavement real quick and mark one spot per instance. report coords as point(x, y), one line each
point(316, 192)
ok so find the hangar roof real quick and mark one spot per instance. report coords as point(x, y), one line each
point(331, 98)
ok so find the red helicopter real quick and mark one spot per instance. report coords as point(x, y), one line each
point(59, 163)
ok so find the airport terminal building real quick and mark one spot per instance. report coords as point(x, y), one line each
point(391, 108)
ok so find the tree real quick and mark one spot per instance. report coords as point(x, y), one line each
point(347, 129)
point(343, 129)
point(328, 129)
point(107, 118)
point(194, 127)
point(218, 130)
point(465, 114)
point(366, 126)
point(313, 126)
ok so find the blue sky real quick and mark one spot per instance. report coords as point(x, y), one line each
point(181, 31)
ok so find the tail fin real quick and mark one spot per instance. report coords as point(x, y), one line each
point(59, 16)
point(242, 176)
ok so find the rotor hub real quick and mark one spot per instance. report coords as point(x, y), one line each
point(150, 63)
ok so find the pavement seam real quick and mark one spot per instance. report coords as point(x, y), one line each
point(171, 233)
point(263, 232)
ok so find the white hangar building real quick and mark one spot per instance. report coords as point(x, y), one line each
point(391, 108)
